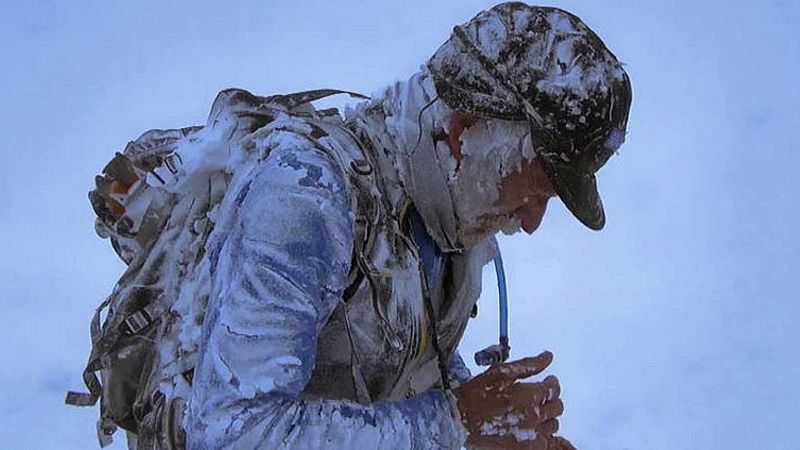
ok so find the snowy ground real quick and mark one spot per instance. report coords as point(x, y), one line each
point(674, 328)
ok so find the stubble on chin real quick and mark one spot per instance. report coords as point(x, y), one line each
point(512, 226)
point(486, 226)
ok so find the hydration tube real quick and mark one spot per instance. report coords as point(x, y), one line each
point(498, 353)
point(501, 289)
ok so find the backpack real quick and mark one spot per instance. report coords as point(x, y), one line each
point(159, 302)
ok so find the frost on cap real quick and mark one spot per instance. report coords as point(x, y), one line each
point(578, 95)
point(554, 61)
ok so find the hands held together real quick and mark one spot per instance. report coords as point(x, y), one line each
point(500, 411)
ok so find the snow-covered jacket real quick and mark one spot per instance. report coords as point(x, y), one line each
point(310, 288)
point(288, 359)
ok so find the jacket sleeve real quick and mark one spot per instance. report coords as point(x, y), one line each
point(458, 370)
point(278, 277)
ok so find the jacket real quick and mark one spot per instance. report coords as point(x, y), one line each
point(286, 261)
point(286, 361)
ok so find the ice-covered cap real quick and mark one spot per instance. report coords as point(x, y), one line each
point(543, 65)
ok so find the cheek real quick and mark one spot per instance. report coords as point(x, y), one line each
point(540, 183)
point(512, 189)
point(456, 126)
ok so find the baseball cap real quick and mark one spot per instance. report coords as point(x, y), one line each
point(545, 66)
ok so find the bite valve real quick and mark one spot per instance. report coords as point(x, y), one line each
point(493, 354)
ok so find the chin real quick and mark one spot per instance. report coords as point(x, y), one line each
point(487, 228)
point(513, 226)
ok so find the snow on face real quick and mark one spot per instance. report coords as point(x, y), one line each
point(492, 149)
point(504, 142)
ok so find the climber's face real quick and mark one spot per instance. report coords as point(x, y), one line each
point(509, 188)
point(524, 195)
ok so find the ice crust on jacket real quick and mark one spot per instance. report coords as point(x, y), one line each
point(279, 273)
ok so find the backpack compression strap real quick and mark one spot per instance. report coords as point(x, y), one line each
point(300, 98)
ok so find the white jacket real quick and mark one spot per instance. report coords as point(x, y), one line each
point(277, 366)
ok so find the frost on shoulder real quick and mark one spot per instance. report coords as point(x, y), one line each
point(279, 273)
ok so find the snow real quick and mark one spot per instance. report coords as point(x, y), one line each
point(691, 287)
point(507, 425)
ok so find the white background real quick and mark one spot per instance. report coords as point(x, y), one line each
point(673, 328)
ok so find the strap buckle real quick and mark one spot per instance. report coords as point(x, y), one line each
point(137, 322)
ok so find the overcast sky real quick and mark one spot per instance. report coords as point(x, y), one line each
point(676, 327)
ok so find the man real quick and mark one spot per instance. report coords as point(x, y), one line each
point(345, 258)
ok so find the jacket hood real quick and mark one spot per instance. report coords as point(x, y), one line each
point(403, 118)
point(457, 199)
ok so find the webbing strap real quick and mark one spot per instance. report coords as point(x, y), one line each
point(299, 98)
point(89, 377)
point(432, 263)
point(132, 324)
point(80, 398)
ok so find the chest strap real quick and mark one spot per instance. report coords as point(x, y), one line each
point(433, 262)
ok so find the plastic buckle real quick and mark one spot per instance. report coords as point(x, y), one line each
point(137, 322)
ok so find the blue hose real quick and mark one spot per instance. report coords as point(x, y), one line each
point(501, 289)
point(495, 354)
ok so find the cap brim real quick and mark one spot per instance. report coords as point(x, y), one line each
point(578, 191)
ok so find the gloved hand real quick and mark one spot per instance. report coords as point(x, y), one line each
point(501, 412)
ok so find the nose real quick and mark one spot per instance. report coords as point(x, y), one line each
point(531, 213)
